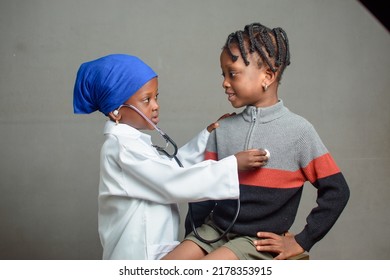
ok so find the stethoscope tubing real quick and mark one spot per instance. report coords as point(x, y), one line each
point(224, 233)
point(174, 156)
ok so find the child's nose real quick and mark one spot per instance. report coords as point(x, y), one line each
point(155, 104)
point(225, 84)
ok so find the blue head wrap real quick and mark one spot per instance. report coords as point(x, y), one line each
point(106, 83)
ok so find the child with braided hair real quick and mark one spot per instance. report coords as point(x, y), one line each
point(253, 61)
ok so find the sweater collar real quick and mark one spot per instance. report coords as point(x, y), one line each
point(266, 114)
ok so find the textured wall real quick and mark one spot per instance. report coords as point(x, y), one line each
point(338, 80)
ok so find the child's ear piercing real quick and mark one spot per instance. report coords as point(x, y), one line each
point(116, 113)
point(265, 87)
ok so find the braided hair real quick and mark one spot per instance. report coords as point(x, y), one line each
point(270, 44)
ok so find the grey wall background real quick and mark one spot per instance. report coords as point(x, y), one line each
point(338, 79)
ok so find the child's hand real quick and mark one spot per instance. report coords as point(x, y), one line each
point(214, 125)
point(284, 245)
point(251, 159)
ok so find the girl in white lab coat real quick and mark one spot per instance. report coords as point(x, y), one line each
point(139, 188)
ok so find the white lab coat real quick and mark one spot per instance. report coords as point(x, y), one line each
point(139, 190)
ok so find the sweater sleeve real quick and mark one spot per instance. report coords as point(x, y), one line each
point(333, 193)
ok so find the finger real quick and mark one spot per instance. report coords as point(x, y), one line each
point(262, 152)
point(265, 234)
point(264, 158)
point(212, 126)
point(256, 156)
point(280, 257)
point(265, 242)
point(257, 164)
point(267, 249)
point(254, 152)
point(226, 115)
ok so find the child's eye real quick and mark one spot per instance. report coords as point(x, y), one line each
point(146, 100)
point(232, 74)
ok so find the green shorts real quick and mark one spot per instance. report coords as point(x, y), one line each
point(241, 246)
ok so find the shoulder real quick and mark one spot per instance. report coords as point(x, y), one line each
point(231, 120)
point(298, 122)
point(230, 125)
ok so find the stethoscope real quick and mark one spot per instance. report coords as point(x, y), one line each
point(169, 141)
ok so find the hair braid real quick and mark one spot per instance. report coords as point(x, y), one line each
point(252, 42)
point(240, 39)
point(228, 44)
point(279, 46)
point(267, 41)
point(287, 46)
point(270, 44)
point(264, 56)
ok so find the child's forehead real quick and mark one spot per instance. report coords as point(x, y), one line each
point(235, 50)
point(225, 56)
point(151, 87)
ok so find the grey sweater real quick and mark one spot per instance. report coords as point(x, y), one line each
point(270, 196)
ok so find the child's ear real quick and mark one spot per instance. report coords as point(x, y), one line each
point(269, 78)
point(115, 116)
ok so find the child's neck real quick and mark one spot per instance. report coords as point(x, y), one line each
point(267, 102)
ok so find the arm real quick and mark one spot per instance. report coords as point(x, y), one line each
point(142, 173)
point(332, 196)
point(193, 152)
point(332, 189)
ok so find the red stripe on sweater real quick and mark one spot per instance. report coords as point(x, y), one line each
point(272, 178)
point(210, 155)
point(320, 167)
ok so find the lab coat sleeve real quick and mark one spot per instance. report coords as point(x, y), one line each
point(193, 152)
point(145, 175)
